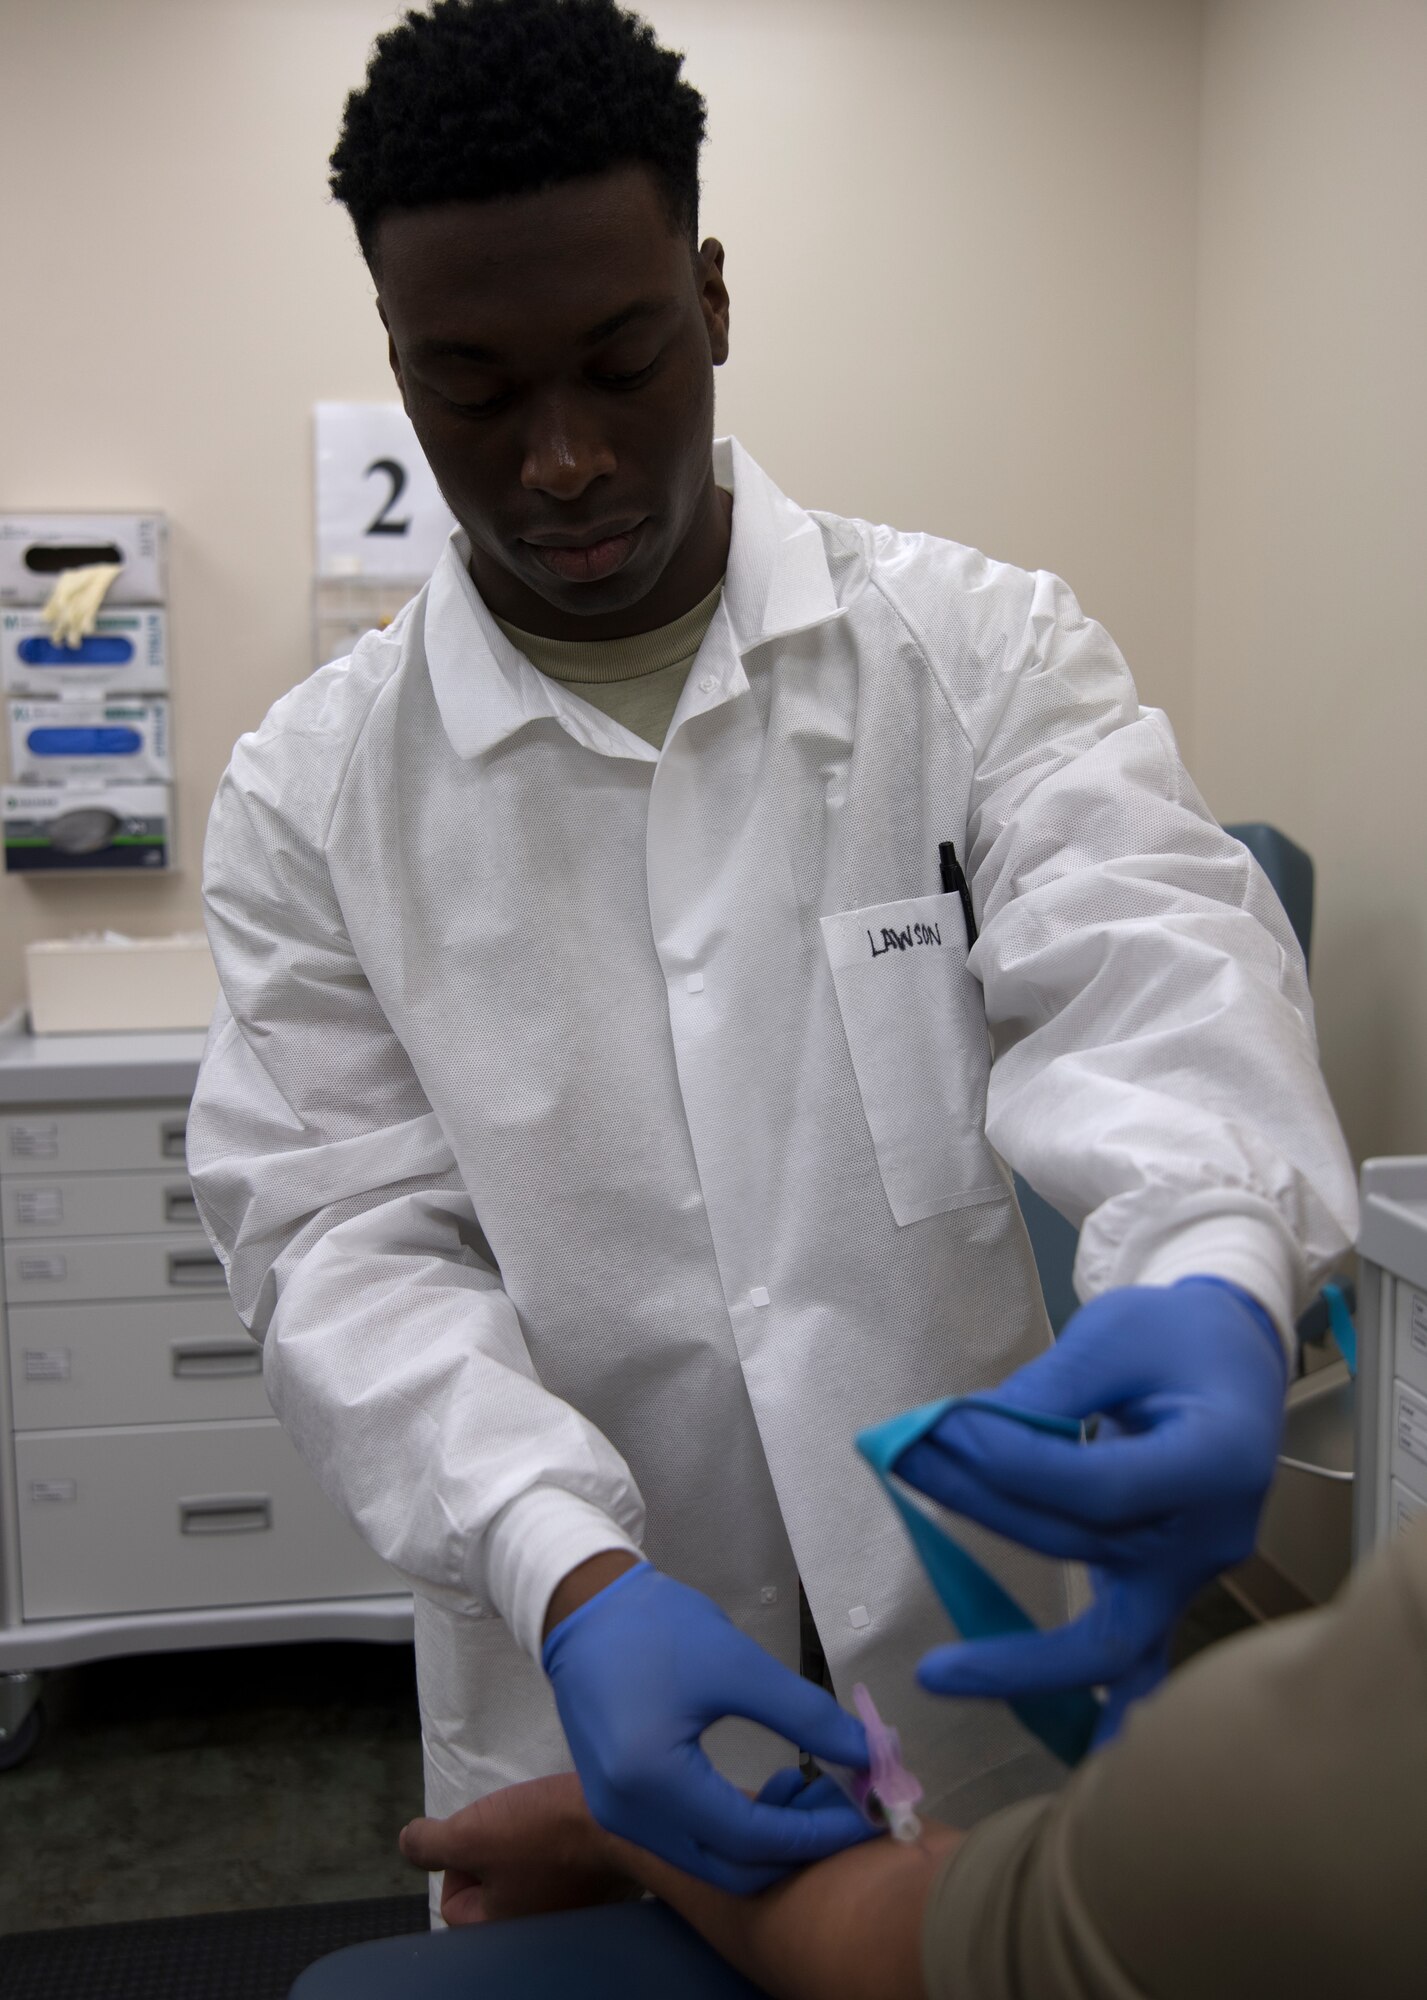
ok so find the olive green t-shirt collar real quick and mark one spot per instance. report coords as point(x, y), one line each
point(589, 661)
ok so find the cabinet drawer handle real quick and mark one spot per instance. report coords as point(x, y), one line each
point(216, 1357)
point(172, 1135)
point(194, 1270)
point(179, 1205)
point(226, 1514)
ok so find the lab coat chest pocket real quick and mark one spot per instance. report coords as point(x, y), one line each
point(916, 1029)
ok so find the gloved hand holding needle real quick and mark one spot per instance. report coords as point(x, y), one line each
point(639, 1671)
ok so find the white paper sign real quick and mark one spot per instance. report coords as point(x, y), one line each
point(379, 513)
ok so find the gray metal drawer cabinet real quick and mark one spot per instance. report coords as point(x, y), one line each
point(1409, 1440)
point(167, 1517)
point(52, 1270)
point(42, 1206)
point(149, 1501)
point(102, 1139)
point(1411, 1314)
point(148, 1361)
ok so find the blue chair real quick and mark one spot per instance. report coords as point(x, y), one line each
point(1290, 874)
point(625, 1951)
point(1053, 1239)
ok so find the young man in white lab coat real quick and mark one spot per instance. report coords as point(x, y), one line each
point(599, 1123)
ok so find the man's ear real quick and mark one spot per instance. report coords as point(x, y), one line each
point(713, 297)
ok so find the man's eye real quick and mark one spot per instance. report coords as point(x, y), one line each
point(485, 407)
point(608, 380)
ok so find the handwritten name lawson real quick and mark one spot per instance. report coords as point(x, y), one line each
point(904, 940)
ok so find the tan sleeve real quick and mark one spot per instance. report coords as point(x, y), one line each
point(1003, 1920)
point(1259, 1828)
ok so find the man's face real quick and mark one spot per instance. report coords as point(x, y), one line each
point(554, 352)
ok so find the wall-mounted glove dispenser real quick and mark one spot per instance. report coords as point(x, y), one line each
point(36, 548)
point(126, 653)
point(80, 828)
point(55, 742)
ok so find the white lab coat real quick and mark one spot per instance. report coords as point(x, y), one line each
point(594, 1162)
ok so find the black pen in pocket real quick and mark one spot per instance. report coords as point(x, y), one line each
point(954, 882)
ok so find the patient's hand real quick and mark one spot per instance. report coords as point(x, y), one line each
point(518, 1853)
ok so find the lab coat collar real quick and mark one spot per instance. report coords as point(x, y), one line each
point(777, 582)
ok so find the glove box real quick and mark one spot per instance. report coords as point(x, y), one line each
point(36, 548)
point(76, 829)
point(125, 654)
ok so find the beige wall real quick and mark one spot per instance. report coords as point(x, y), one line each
point(960, 246)
point(1134, 289)
point(1310, 662)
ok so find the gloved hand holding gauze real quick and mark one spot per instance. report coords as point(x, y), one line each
point(1187, 1382)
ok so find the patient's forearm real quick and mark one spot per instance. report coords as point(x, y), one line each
point(845, 1929)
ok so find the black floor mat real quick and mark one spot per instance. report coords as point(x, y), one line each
point(234, 1955)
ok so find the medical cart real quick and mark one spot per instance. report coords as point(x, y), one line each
point(1391, 1445)
point(149, 1501)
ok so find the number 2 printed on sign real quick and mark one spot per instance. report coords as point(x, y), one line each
point(381, 523)
point(379, 512)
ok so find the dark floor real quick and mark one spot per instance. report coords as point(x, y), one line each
point(251, 1779)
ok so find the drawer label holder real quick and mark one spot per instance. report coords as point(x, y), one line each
point(37, 1270)
point(40, 1206)
point(52, 1492)
point(47, 1364)
point(1412, 1430)
point(34, 1140)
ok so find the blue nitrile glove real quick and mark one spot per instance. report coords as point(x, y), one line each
point(1188, 1381)
point(640, 1670)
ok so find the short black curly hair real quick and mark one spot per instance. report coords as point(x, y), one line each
point(480, 98)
